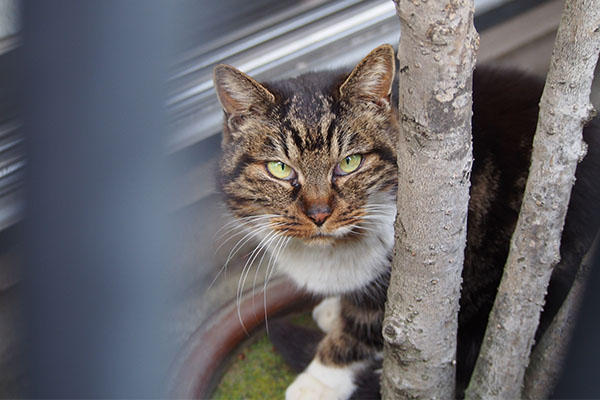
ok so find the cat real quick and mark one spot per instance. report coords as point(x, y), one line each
point(310, 163)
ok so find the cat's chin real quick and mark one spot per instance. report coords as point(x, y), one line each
point(326, 240)
point(319, 241)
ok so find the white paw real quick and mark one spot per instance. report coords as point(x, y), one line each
point(326, 313)
point(307, 387)
point(321, 382)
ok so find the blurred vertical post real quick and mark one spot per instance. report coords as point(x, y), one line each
point(95, 292)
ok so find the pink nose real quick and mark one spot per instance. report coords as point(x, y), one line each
point(318, 213)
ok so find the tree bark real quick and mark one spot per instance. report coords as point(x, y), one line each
point(534, 249)
point(436, 60)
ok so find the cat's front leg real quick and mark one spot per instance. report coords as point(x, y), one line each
point(348, 348)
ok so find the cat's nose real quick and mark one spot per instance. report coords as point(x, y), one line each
point(318, 213)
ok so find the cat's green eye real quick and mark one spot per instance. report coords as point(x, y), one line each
point(279, 170)
point(348, 164)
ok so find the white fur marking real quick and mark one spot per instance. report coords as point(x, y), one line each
point(347, 266)
point(326, 313)
point(322, 382)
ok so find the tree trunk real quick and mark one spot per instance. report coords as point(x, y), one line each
point(437, 56)
point(534, 248)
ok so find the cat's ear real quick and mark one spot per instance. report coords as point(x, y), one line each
point(237, 92)
point(372, 78)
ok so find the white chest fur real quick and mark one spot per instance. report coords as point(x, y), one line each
point(344, 267)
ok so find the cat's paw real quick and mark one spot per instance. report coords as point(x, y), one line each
point(320, 382)
point(326, 313)
point(307, 387)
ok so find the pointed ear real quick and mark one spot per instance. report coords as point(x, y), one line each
point(372, 78)
point(237, 92)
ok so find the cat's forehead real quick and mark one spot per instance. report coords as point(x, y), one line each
point(307, 109)
point(307, 98)
point(309, 122)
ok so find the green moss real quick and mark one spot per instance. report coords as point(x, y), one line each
point(258, 371)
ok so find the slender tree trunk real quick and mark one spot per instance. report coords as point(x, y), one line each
point(437, 56)
point(534, 249)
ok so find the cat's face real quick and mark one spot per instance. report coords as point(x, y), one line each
point(310, 157)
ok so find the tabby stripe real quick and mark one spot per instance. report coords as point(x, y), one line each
point(295, 192)
point(390, 182)
point(374, 180)
point(242, 199)
point(343, 351)
point(339, 141)
point(352, 218)
point(244, 161)
point(314, 144)
point(283, 140)
point(351, 140)
point(291, 223)
point(386, 154)
point(377, 169)
point(295, 135)
point(367, 332)
point(337, 189)
point(330, 131)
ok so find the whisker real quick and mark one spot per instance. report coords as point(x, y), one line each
point(253, 256)
point(237, 247)
point(244, 229)
point(380, 211)
point(246, 218)
point(247, 238)
point(381, 214)
point(269, 273)
point(242, 226)
point(265, 246)
point(377, 217)
point(242, 220)
point(246, 271)
point(363, 228)
point(259, 264)
point(277, 258)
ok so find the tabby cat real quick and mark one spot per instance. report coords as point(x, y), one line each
point(310, 164)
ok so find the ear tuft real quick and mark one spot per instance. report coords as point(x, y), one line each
point(237, 92)
point(372, 78)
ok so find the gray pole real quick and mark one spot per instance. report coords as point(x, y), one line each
point(94, 76)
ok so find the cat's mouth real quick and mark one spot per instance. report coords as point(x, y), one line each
point(321, 240)
point(330, 233)
point(329, 238)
